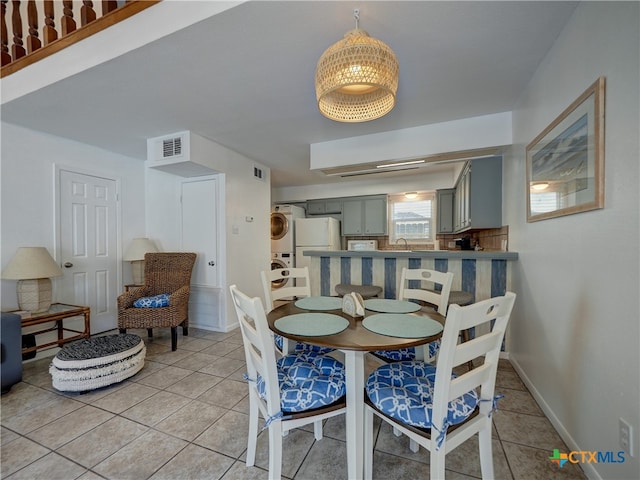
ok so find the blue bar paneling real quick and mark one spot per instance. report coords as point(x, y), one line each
point(390, 277)
point(367, 271)
point(441, 264)
point(498, 277)
point(325, 276)
point(345, 270)
point(469, 276)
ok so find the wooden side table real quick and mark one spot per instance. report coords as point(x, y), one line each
point(57, 313)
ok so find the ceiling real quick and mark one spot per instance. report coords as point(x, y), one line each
point(244, 78)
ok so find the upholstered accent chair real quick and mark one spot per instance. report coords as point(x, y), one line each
point(147, 306)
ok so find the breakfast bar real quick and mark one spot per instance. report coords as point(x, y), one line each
point(485, 274)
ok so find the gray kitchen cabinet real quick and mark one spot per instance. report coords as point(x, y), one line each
point(445, 201)
point(324, 207)
point(478, 195)
point(364, 215)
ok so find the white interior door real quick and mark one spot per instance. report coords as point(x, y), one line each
point(200, 228)
point(88, 219)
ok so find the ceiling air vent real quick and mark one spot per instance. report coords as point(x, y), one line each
point(258, 173)
point(172, 147)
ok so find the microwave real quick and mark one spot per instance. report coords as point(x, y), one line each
point(362, 245)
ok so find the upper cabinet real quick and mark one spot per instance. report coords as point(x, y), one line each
point(324, 207)
point(364, 215)
point(445, 201)
point(478, 196)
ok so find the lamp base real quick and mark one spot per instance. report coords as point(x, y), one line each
point(137, 271)
point(34, 295)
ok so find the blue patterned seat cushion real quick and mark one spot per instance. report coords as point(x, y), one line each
point(404, 391)
point(156, 301)
point(407, 354)
point(307, 381)
point(302, 347)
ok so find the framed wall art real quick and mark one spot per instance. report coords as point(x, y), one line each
point(565, 163)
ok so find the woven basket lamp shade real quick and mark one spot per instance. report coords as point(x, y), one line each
point(356, 79)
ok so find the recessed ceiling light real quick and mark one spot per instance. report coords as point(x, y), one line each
point(389, 165)
point(540, 186)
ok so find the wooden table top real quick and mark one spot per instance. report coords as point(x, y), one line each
point(355, 336)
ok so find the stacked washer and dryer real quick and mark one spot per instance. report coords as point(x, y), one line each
point(283, 247)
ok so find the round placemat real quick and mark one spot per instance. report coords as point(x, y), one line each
point(319, 303)
point(312, 324)
point(387, 305)
point(402, 325)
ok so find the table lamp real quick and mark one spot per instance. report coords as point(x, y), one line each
point(135, 254)
point(33, 267)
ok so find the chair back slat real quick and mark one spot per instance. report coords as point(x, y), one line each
point(258, 345)
point(464, 383)
point(302, 286)
point(476, 348)
point(426, 290)
point(495, 310)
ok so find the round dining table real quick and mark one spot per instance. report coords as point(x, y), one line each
point(354, 337)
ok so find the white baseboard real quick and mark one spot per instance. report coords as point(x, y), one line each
point(588, 468)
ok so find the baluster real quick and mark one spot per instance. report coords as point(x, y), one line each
point(6, 58)
point(108, 6)
point(68, 24)
point(33, 42)
point(49, 33)
point(87, 13)
point(17, 50)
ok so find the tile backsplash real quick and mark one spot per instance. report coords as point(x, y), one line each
point(489, 239)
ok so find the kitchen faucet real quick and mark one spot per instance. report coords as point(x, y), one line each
point(406, 245)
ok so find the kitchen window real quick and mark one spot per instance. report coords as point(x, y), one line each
point(412, 219)
point(543, 202)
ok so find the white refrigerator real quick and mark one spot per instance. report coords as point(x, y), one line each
point(315, 234)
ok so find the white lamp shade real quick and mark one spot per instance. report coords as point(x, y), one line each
point(138, 247)
point(31, 263)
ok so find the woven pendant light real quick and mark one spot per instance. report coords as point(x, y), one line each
point(356, 78)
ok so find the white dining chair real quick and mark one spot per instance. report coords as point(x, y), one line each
point(295, 280)
point(421, 284)
point(300, 288)
point(293, 391)
point(435, 408)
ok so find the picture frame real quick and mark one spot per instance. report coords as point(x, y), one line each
point(565, 162)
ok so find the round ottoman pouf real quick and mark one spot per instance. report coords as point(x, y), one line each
point(366, 291)
point(97, 362)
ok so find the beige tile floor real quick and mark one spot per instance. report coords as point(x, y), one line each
point(184, 416)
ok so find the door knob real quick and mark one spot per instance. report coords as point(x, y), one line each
point(212, 263)
point(68, 265)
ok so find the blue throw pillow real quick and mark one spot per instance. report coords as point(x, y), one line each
point(156, 301)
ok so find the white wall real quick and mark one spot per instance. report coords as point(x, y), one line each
point(458, 135)
point(245, 245)
point(27, 195)
point(575, 335)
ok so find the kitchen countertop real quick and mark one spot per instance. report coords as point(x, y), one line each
point(463, 254)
